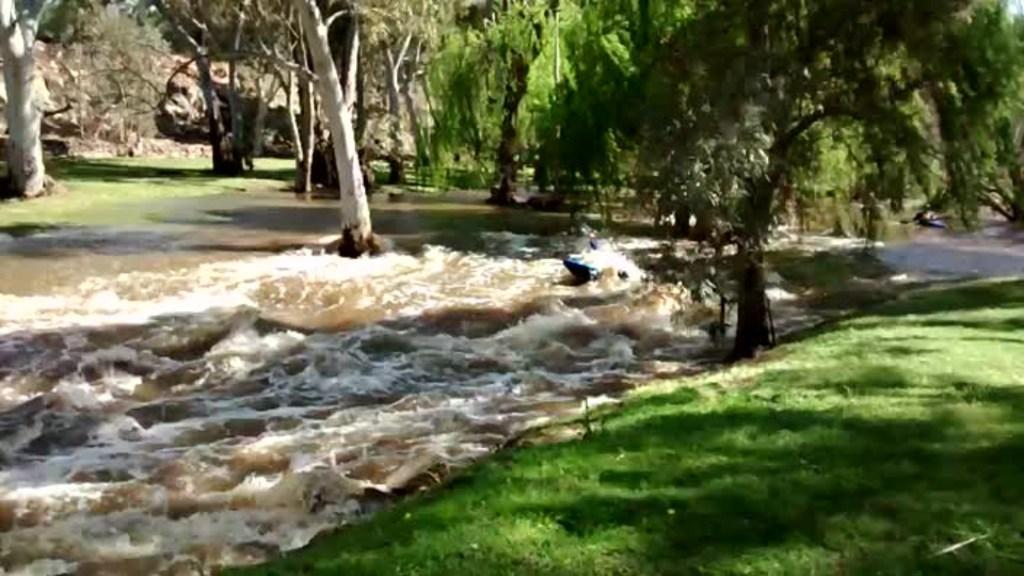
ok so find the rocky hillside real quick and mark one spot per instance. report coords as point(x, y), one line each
point(167, 117)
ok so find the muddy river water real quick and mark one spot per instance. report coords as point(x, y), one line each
point(213, 389)
point(207, 391)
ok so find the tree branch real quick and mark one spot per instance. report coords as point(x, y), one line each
point(65, 108)
point(199, 49)
point(178, 70)
point(333, 17)
point(275, 60)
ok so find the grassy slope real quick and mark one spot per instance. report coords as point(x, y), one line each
point(863, 449)
point(119, 191)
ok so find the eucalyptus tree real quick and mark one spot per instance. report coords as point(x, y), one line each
point(356, 229)
point(402, 34)
point(201, 25)
point(19, 24)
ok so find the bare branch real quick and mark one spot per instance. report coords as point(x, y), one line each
point(336, 15)
point(177, 70)
point(65, 108)
point(278, 61)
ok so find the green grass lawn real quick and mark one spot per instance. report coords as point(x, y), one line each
point(867, 447)
point(121, 191)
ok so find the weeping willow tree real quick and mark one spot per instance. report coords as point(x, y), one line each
point(979, 110)
point(486, 80)
point(734, 109)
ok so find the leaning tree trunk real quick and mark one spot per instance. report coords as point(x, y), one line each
point(26, 173)
point(307, 118)
point(356, 230)
point(350, 66)
point(508, 147)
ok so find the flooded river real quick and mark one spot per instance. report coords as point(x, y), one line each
point(207, 391)
point(213, 389)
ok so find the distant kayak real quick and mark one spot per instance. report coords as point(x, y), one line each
point(580, 270)
point(932, 224)
point(929, 219)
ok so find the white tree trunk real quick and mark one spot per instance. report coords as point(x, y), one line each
point(293, 124)
point(396, 62)
point(356, 230)
point(25, 168)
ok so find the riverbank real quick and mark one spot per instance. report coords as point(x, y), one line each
point(889, 443)
point(126, 192)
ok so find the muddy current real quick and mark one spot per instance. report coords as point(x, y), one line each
point(219, 410)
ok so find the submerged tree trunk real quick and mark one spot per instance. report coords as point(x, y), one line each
point(350, 65)
point(26, 172)
point(508, 147)
point(356, 229)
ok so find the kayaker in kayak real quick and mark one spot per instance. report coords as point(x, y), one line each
point(929, 219)
point(600, 260)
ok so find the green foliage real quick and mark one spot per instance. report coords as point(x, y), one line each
point(868, 448)
point(468, 76)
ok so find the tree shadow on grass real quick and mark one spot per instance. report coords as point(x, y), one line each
point(22, 230)
point(865, 466)
point(750, 489)
point(781, 477)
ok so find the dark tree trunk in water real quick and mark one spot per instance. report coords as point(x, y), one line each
point(753, 322)
point(508, 147)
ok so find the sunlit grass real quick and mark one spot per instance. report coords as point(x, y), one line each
point(865, 448)
point(119, 191)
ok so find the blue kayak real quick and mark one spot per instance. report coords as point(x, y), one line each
point(932, 224)
point(581, 270)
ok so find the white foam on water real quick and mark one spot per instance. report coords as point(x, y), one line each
point(198, 412)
